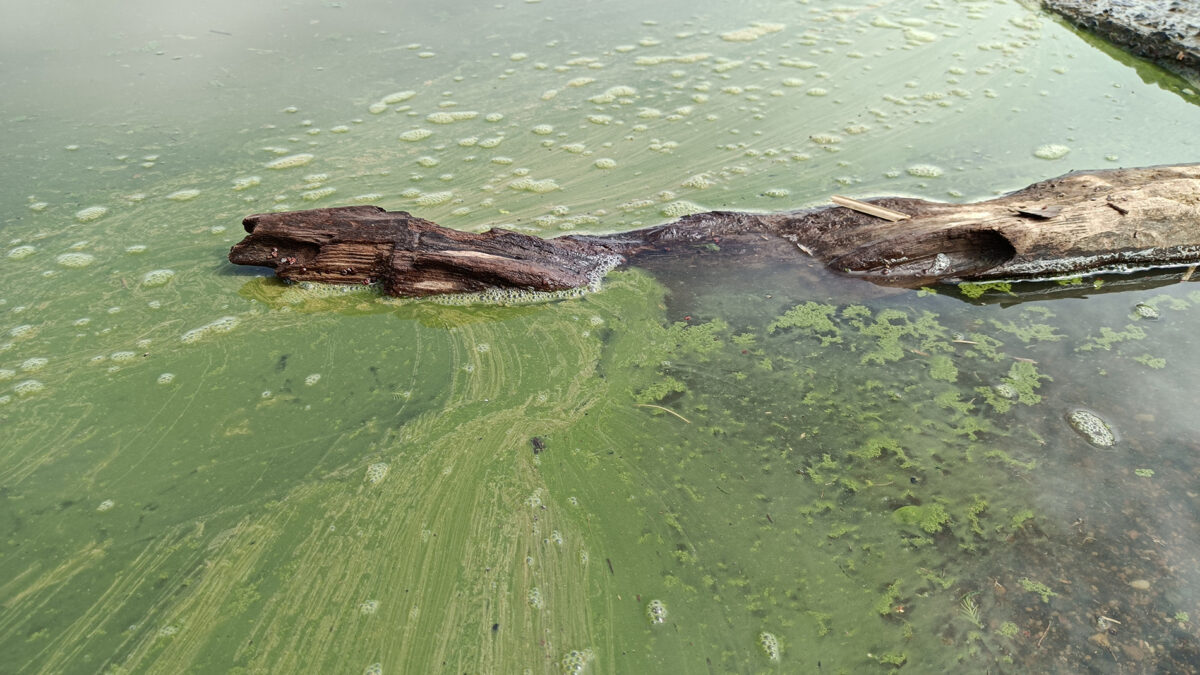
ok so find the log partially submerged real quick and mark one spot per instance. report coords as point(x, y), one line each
point(1166, 32)
point(1080, 223)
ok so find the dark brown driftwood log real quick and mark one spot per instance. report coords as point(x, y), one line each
point(1079, 223)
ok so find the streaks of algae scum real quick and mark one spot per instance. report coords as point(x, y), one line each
point(197, 479)
point(252, 521)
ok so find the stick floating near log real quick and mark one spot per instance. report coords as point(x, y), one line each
point(1084, 222)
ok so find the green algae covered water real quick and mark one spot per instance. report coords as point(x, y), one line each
point(705, 466)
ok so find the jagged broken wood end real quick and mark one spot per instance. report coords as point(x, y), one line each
point(1083, 222)
point(410, 256)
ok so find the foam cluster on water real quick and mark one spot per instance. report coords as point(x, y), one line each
point(925, 171)
point(245, 182)
point(527, 184)
point(681, 208)
point(377, 472)
point(576, 661)
point(397, 97)
point(290, 161)
point(28, 387)
point(222, 325)
point(434, 198)
point(756, 30)
point(1051, 151)
point(769, 645)
point(184, 195)
point(22, 252)
point(414, 135)
point(91, 213)
point(75, 259)
point(319, 193)
point(443, 117)
point(656, 611)
point(157, 278)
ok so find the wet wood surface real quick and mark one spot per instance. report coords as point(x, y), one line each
point(1083, 222)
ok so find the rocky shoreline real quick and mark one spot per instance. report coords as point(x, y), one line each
point(1164, 31)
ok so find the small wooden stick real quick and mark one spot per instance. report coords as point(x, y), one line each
point(1043, 637)
point(869, 209)
point(1188, 274)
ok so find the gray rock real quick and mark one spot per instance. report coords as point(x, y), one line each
point(1093, 429)
point(1166, 31)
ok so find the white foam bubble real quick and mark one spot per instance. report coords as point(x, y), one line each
point(397, 97)
point(290, 161)
point(28, 387)
point(157, 277)
point(680, 208)
point(434, 198)
point(1051, 151)
point(184, 195)
point(245, 182)
point(319, 193)
point(91, 213)
point(756, 30)
point(925, 171)
point(414, 135)
point(75, 259)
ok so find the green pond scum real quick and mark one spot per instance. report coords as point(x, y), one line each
point(702, 465)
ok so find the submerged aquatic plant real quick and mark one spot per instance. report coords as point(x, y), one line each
point(1038, 588)
point(969, 609)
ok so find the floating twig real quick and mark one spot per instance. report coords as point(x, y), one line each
point(869, 209)
point(651, 405)
point(1188, 274)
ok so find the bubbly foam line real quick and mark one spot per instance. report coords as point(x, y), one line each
point(1110, 263)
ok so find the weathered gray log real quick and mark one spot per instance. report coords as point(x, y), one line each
point(1164, 31)
point(1085, 222)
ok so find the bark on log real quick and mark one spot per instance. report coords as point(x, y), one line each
point(1084, 222)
